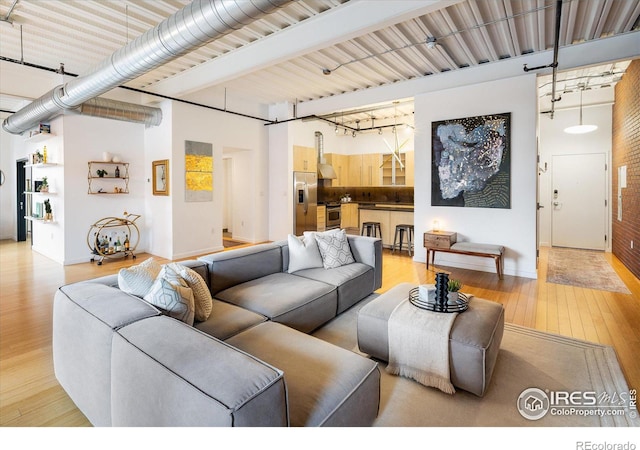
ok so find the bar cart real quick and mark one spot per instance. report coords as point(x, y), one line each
point(113, 237)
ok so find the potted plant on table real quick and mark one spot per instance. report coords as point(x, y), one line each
point(453, 286)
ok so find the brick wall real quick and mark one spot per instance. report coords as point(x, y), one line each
point(626, 152)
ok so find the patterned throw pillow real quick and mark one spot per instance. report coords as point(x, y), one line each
point(201, 294)
point(334, 248)
point(170, 294)
point(303, 252)
point(137, 280)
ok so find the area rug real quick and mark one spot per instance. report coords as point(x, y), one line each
point(583, 268)
point(527, 359)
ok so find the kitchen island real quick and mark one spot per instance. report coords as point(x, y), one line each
point(389, 215)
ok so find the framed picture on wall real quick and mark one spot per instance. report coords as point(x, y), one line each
point(160, 170)
point(471, 162)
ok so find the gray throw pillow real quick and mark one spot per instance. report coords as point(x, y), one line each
point(334, 249)
point(303, 252)
point(137, 280)
point(171, 294)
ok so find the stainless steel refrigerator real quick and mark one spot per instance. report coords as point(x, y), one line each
point(305, 202)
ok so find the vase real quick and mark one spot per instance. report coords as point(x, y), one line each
point(452, 298)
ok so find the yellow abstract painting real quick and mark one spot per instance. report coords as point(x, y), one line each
point(198, 161)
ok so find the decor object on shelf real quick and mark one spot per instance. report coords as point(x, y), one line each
point(471, 161)
point(198, 171)
point(116, 184)
point(44, 187)
point(160, 170)
point(106, 156)
point(48, 214)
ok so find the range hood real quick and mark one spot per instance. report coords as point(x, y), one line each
point(325, 171)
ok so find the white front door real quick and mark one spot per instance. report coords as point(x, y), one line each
point(578, 201)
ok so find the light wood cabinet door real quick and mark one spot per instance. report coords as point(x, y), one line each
point(304, 159)
point(349, 215)
point(340, 164)
point(371, 171)
point(355, 170)
point(321, 213)
point(409, 169)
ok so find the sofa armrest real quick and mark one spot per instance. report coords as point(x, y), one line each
point(368, 250)
point(166, 373)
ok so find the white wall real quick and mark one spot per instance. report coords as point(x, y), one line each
point(159, 208)
point(515, 228)
point(198, 225)
point(86, 139)
point(554, 141)
point(11, 149)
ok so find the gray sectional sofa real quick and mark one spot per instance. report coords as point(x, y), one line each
point(251, 363)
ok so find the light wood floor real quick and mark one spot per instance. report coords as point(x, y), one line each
point(31, 396)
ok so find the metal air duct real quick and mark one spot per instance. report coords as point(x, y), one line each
point(325, 171)
point(117, 110)
point(193, 26)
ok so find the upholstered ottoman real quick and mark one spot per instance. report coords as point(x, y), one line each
point(474, 341)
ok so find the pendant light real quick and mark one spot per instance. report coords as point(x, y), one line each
point(581, 129)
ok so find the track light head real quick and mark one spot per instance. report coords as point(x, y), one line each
point(431, 42)
point(326, 71)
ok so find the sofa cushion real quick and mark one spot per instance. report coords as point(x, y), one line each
point(171, 294)
point(334, 248)
point(227, 269)
point(227, 320)
point(298, 302)
point(137, 280)
point(166, 373)
point(303, 252)
point(85, 316)
point(201, 295)
point(327, 385)
point(353, 282)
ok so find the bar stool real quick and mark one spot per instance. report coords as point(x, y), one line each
point(372, 229)
point(401, 229)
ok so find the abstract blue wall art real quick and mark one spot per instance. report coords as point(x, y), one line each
point(471, 162)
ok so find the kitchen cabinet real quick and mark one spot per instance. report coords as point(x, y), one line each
point(340, 164)
point(364, 170)
point(321, 213)
point(349, 216)
point(305, 159)
point(354, 177)
point(392, 173)
point(371, 172)
point(409, 169)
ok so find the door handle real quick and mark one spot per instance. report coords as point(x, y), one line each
point(556, 203)
point(306, 198)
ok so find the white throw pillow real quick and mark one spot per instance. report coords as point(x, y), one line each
point(201, 294)
point(137, 280)
point(303, 253)
point(171, 294)
point(334, 249)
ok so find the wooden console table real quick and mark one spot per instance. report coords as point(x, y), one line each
point(446, 241)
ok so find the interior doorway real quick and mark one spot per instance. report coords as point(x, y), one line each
point(579, 201)
point(22, 205)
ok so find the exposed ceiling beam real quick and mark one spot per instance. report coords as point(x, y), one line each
point(348, 21)
point(616, 48)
